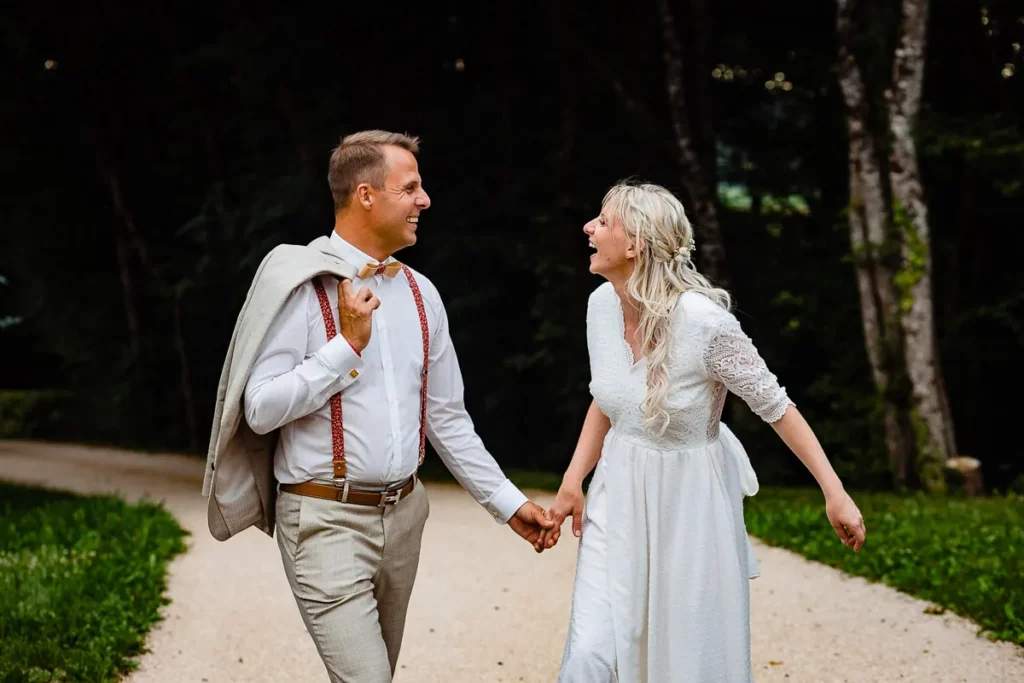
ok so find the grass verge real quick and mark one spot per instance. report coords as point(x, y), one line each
point(964, 554)
point(433, 469)
point(81, 583)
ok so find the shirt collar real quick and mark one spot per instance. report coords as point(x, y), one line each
point(351, 254)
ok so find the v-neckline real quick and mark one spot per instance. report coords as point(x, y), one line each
point(627, 347)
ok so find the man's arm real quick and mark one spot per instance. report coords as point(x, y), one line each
point(453, 435)
point(284, 384)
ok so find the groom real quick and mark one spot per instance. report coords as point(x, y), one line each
point(342, 366)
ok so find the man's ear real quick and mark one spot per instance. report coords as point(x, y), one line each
point(364, 195)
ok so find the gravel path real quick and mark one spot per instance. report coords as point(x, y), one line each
point(486, 607)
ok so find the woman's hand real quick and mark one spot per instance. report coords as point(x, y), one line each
point(846, 519)
point(568, 501)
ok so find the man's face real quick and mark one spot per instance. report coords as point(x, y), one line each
point(397, 206)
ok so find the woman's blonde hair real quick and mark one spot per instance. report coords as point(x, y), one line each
point(656, 225)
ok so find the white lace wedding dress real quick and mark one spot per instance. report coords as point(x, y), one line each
point(662, 581)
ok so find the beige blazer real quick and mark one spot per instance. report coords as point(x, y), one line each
point(239, 479)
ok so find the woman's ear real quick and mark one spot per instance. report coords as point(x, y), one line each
point(632, 249)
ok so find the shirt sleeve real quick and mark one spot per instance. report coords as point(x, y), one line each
point(286, 384)
point(453, 435)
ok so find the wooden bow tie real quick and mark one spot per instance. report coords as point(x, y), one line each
point(390, 269)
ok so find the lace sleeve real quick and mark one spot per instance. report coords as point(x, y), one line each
point(731, 358)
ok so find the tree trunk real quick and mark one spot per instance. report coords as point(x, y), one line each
point(933, 430)
point(703, 114)
point(185, 377)
point(711, 249)
point(868, 240)
point(124, 267)
point(129, 230)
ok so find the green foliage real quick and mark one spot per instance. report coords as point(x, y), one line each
point(966, 555)
point(915, 257)
point(81, 583)
point(27, 414)
point(8, 320)
point(434, 470)
point(994, 142)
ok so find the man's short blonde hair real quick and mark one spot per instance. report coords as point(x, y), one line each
point(360, 159)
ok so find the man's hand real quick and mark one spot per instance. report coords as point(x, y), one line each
point(355, 311)
point(530, 522)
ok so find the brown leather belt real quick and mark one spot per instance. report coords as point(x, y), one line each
point(347, 494)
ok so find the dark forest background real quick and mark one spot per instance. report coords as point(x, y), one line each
point(156, 152)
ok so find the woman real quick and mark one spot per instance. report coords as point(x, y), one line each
point(662, 581)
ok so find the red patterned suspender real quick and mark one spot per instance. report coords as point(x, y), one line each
point(425, 329)
point(337, 427)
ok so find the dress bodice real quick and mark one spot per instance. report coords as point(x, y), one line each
point(710, 356)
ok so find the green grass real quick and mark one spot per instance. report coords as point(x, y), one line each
point(81, 582)
point(434, 470)
point(966, 555)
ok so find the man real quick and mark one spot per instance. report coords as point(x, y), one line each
point(351, 405)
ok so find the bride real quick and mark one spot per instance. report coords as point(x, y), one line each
point(662, 581)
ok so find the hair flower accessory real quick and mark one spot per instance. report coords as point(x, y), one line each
point(684, 253)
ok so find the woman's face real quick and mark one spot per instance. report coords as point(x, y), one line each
point(613, 254)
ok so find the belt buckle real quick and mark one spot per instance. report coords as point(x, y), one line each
point(389, 497)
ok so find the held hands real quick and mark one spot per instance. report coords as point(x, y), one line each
point(531, 523)
point(355, 311)
point(540, 527)
point(846, 519)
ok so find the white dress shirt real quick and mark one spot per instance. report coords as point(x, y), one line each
point(298, 370)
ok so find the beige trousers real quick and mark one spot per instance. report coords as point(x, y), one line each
point(351, 569)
